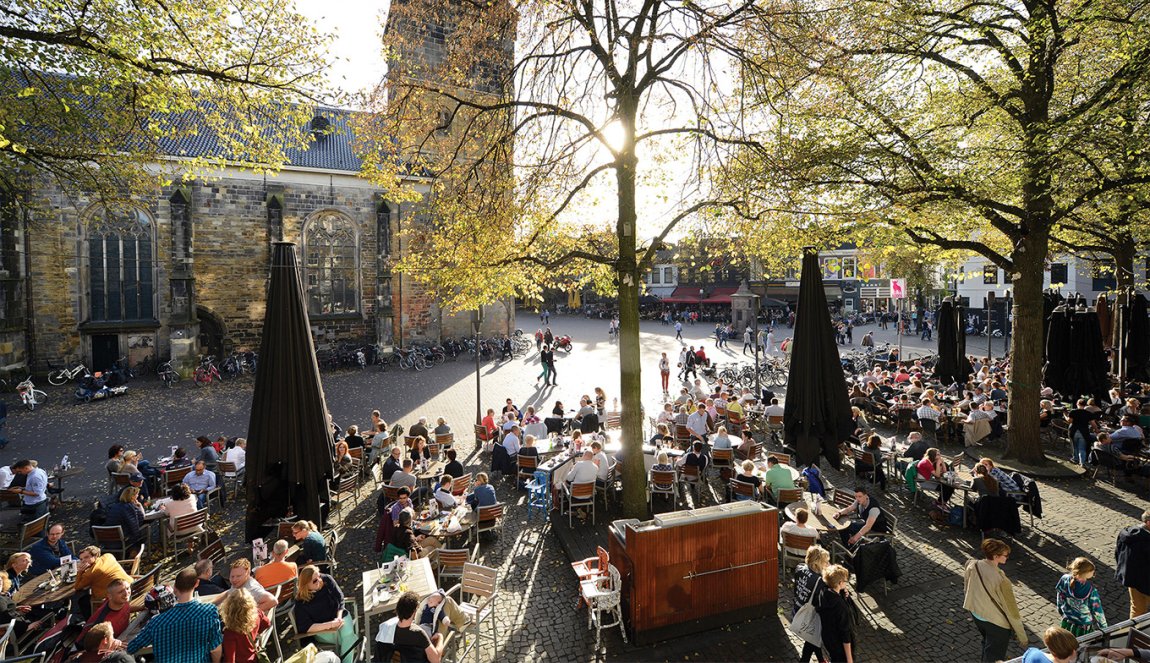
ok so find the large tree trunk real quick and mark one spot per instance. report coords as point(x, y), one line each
point(1124, 253)
point(1026, 353)
point(630, 382)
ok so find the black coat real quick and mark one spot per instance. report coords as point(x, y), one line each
point(1132, 558)
point(834, 616)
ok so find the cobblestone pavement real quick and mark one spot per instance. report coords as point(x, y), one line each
point(921, 618)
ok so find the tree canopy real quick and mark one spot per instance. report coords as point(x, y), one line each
point(93, 89)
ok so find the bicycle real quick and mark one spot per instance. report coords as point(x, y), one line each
point(145, 367)
point(207, 371)
point(12, 378)
point(66, 375)
point(409, 358)
point(169, 375)
point(30, 396)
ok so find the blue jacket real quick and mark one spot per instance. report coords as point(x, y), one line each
point(128, 517)
point(43, 559)
point(482, 495)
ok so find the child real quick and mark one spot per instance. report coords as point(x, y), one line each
point(1077, 599)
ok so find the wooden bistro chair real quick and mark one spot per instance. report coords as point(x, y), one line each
point(172, 477)
point(110, 538)
point(689, 474)
point(682, 436)
point(478, 590)
point(446, 441)
point(527, 465)
point(788, 496)
point(774, 428)
point(188, 527)
point(483, 439)
point(409, 440)
point(783, 458)
point(348, 489)
point(662, 482)
point(121, 481)
point(579, 495)
point(793, 548)
point(230, 474)
point(450, 562)
point(723, 460)
point(26, 536)
point(753, 452)
point(741, 490)
point(461, 484)
point(489, 519)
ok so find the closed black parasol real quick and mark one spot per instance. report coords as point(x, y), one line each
point(1057, 349)
point(817, 416)
point(1105, 321)
point(289, 441)
point(946, 370)
point(1050, 301)
point(1086, 368)
point(964, 367)
point(1136, 351)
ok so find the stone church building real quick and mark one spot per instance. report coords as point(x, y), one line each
point(185, 271)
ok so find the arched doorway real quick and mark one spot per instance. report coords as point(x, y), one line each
point(212, 331)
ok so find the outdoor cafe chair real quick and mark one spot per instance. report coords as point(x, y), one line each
point(188, 526)
point(774, 427)
point(579, 495)
point(347, 490)
point(793, 548)
point(460, 485)
point(689, 474)
point(753, 452)
point(489, 519)
point(141, 585)
point(229, 473)
point(478, 590)
point(783, 458)
point(682, 436)
point(131, 565)
point(608, 485)
point(526, 468)
point(26, 535)
point(787, 496)
point(662, 482)
point(174, 476)
point(603, 595)
point(741, 490)
point(539, 495)
point(352, 607)
point(723, 460)
point(110, 538)
point(450, 562)
point(445, 441)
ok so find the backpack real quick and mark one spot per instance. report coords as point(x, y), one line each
point(814, 481)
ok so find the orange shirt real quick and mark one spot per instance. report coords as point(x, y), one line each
point(273, 573)
point(98, 576)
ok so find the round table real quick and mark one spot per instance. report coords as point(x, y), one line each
point(823, 521)
point(36, 591)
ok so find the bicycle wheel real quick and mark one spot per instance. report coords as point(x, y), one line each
point(420, 363)
point(58, 377)
point(39, 397)
point(201, 377)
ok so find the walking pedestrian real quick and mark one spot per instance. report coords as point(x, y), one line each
point(1132, 564)
point(719, 336)
point(925, 331)
point(747, 333)
point(1077, 599)
point(690, 362)
point(546, 317)
point(989, 597)
point(549, 361)
point(850, 333)
point(678, 330)
point(538, 340)
point(546, 356)
point(771, 342)
point(665, 373)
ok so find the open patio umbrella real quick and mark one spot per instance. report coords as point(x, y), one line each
point(290, 446)
point(1086, 368)
point(1057, 347)
point(1105, 322)
point(817, 415)
point(946, 370)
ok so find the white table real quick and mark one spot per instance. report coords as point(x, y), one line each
point(419, 579)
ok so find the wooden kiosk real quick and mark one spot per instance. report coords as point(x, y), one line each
point(689, 571)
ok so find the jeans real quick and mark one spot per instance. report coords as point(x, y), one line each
point(994, 640)
point(1080, 445)
point(30, 512)
point(666, 378)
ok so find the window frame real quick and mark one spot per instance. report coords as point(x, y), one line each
point(307, 241)
point(97, 229)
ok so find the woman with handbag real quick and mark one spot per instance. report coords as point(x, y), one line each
point(990, 599)
point(243, 623)
point(835, 608)
point(808, 580)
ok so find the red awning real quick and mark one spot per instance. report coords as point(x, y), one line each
point(683, 295)
point(721, 295)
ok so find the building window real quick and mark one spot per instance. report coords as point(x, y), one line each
point(850, 268)
point(1059, 274)
point(331, 247)
point(669, 275)
point(989, 274)
point(1102, 276)
point(656, 276)
point(121, 266)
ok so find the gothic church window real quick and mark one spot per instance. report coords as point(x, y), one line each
point(331, 247)
point(121, 265)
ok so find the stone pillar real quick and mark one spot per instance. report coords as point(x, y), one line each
point(183, 324)
point(743, 308)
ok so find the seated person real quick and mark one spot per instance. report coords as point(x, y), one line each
point(200, 481)
point(419, 450)
point(585, 470)
point(419, 429)
point(406, 478)
point(874, 454)
point(694, 458)
point(453, 466)
point(799, 527)
point(443, 494)
point(319, 609)
point(662, 436)
point(915, 451)
point(721, 439)
point(100, 646)
point(1005, 482)
point(529, 448)
point(983, 483)
point(602, 463)
point(1130, 437)
point(393, 464)
point(866, 517)
point(778, 477)
point(8, 608)
point(930, 471)
point(747, 446)
point(97, 570)
point(312, 547)
point(278, 570)
point(209, 584)
point(747, 475)
point(482, 493)
point(48, 551)
point(403, 635)
point(441, 427)
point(129, 515)
point(662, 464)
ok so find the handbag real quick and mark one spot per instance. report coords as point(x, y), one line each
point(261, 655)
point(806, 623)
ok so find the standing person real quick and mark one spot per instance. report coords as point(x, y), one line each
point(1132, 568)
point(548, 337)
point(189, 631)
point(989, 597)
point(808, 580)
point(770, 347)
point(834, 605)
point(538, 340)
point(850, 332)
point(545, 355)
point(665, 373)
point(34, 493)
point(1077, 599)
point(547, 358)
point(679, 330)
point(748, 334)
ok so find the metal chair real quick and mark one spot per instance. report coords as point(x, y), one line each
point(526, 468)
point(409, 440)
point(723, 460)
point(608, 484)
point(740, 490)
point(751, 452)
point(603, 596)
point(489, 519)
point(480, 583)
point(445, 441)
point(26, 535)
point(682, 436)
point(8, 637)
point(662, 482)
point(451, 561)
point(120, 480)
point(591, 567)
point(484, 440)
point(787, 496)
point(229, 473)
point(614, 420)
point(173, 476)
point(188, 526)
point(131, 565)
point(579, 495)
point(689, 474)
point(110, 538)
point(141, 585)
point(929, 430)
point(793, 548)
point(539, 495)
point(783, 458)
point(774, 427)
point(348, 488)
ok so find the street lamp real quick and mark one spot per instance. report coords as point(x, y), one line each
point(702, 294)
point(476, 322)
point(755, 327)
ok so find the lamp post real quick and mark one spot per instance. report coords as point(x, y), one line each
point(755, 338)
point(702, 294)
point(476, 322)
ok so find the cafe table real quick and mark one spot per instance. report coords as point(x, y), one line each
point(446, 523)
point(963, 482)
point(822, 519)
point(417, 578)
point(40, 590)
